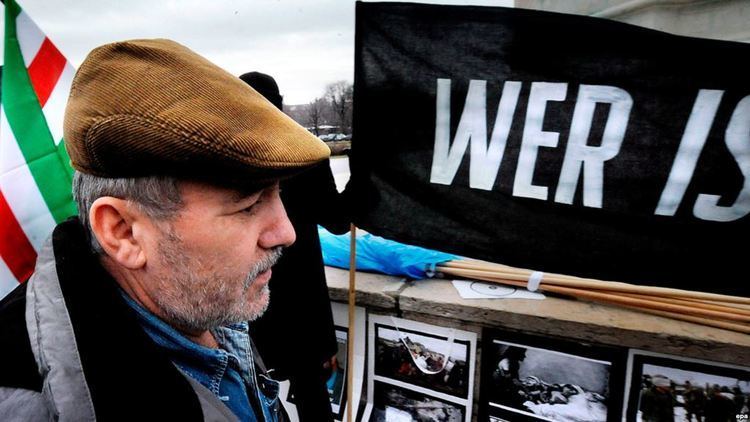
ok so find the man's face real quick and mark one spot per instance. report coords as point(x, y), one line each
point(211, 263)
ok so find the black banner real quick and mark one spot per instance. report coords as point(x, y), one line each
point(554, 142)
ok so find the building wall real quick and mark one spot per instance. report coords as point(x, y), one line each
point(718, 19)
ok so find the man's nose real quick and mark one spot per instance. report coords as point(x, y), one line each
point(279, 232)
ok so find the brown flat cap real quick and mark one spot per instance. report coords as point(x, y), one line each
point(154, 107)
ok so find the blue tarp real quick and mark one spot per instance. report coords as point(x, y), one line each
point(380, 255)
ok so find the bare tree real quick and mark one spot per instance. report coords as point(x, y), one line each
point(339, 95)
point(316, 113)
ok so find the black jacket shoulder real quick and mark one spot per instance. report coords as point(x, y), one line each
point(17, 365)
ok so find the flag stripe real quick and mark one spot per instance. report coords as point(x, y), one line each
point(37, 223)
point(8, 282)
point(45, 70)
point(10, 156)
point(30, 38)
point(54, 110)
point(29, 127)
point(20, 190)
point(17, 252)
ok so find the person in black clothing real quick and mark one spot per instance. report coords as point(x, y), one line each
point(695, 402)
point(657, 402)
point(720, 405)
point(295, 336)
point(507, 378)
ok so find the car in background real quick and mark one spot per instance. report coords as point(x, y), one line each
point(335, 137)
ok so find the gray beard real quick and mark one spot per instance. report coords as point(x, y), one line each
point(199, 304)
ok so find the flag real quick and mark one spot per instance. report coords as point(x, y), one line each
point(553, 142)
point(35, 172)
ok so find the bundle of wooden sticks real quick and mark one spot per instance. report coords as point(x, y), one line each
point(715, 310)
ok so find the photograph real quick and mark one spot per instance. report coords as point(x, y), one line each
point(421, 359)
point(673, 389)
point(395, 404)
point(418, 371)
point(336, 383)
point(544, 379)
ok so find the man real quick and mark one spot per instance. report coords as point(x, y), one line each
point(509, 388)
point(720, 406)
point(695, 402)
point(299, 284)
point(139, 310)
point(657, 402)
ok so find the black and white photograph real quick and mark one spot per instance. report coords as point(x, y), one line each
point(525, 378)
point(418, 371)
point(672, 389)
point(423, 360)
point(395, 404)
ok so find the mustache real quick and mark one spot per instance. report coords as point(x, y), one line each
point(263, 265)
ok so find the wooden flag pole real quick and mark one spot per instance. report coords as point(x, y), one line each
point(477, 270)
point(350, 336)
point(695, 304)
point(646, 304)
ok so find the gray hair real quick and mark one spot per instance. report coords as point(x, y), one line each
point(156, 196)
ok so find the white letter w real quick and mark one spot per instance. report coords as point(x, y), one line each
point(484, 162)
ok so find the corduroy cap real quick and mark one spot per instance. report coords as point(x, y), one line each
point(154, 107)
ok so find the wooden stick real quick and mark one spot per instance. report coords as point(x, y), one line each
point(642, 302)
point(698, 304)
point(737, 306)
point(651, 304)
point(488, 266)
point(561, 279)
point(350, 336)
point(696, 315)
point(586, 283)
point(741, 328)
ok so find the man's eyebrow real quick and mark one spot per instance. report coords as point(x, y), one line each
point(245, 194)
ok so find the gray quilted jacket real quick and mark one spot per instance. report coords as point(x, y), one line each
point(71, 349)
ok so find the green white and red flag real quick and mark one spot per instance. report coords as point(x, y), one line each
point(35, 172)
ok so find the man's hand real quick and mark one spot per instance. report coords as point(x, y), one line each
point(330, 366)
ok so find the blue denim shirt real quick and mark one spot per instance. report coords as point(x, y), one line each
point(228, 372)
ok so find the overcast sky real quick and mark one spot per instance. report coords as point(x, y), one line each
point(695, 378)
point(304, 44)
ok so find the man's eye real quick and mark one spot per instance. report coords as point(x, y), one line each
point(251, 207)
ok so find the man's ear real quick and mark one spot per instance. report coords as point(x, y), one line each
point(112, 221)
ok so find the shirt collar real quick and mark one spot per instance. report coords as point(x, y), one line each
point(234, 342)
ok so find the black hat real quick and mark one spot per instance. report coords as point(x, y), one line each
point(265, 85)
